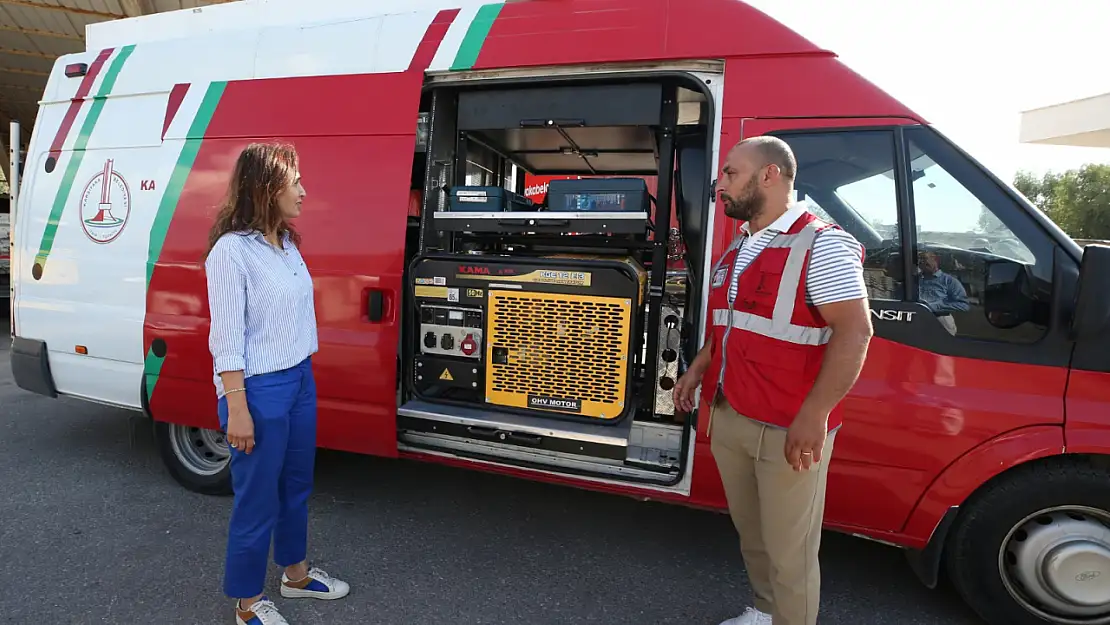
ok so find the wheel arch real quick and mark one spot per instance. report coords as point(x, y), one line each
point(163, 431)
point(938, 509)
point(144, 398)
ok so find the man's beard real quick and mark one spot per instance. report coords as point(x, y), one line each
point(747, 204)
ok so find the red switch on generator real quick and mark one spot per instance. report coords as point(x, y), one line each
point(468, 345)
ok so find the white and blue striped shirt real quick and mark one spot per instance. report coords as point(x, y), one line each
point(262, 306)
point(835, 271)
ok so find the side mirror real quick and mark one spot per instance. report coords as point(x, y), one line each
point(1092, 298)
point(1007, 294)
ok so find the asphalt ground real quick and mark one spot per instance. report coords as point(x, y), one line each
point(93, 530)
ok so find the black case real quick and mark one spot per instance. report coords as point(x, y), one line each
point(603, 195)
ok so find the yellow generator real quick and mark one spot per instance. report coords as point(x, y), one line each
point(553, 336)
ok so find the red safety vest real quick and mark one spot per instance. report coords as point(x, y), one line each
point(768, 345)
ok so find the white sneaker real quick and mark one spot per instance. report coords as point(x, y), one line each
point(263, 612)
point(751, 616)
point(318, 585)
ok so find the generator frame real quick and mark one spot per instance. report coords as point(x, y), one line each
point(449, 147)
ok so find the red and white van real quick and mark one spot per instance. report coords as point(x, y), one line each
point(482, 330)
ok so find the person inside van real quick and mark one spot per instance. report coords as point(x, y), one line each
point(262, 337)
point(940, 291)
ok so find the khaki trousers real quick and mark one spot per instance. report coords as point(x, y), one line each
point(777, 511)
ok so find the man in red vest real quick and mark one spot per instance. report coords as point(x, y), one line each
point(788, 325)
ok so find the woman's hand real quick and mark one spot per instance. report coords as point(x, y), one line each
point(240, 427)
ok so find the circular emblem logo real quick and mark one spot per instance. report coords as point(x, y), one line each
point(105, 205)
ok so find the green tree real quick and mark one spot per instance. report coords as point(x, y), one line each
point(1078, 200)
point(1040, 191)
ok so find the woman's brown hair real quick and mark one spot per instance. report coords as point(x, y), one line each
point(261, 173)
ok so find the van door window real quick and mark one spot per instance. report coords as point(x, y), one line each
point(847, 177)
point(983, 266)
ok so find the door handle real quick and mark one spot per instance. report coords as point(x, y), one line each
point(375, 306)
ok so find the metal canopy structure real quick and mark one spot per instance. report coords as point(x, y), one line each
point(34, 33)
point(1080, 123)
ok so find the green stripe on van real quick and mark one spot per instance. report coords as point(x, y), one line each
point(152, 364)
point(176, 183)
point(475, 36)
point(152, 368)
point(77, 155)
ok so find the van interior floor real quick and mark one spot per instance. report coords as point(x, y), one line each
point(639, 452)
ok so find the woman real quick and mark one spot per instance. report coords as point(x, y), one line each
point(262, 337)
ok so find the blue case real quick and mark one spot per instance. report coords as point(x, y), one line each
point(487, 200)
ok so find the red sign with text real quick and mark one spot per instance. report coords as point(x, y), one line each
point(535, 187)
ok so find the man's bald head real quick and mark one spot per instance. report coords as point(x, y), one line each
point(757, 179)
point(766, 150)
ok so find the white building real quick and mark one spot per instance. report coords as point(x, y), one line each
point(1080, 123)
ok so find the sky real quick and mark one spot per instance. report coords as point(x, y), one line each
point(969, 67)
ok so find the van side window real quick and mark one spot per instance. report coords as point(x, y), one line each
point(847, 177)
point(984, 267)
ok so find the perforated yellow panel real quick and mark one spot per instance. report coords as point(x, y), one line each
point(565, 353)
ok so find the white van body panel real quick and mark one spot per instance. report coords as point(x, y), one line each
point(93, 290)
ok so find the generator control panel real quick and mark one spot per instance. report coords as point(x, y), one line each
point(546, 336)
point(451, 331)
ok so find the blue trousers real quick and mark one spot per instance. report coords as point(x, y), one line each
point(272, 484)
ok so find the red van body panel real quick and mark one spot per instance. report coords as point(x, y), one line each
point(898, 465)
point(355, 168)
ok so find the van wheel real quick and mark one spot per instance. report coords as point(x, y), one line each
point(197, 458)
point(1034, 547)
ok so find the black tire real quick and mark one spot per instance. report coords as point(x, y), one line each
point(987, 520)
point(168, 438)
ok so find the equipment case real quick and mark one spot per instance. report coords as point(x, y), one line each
point(487, 200)
point(605, 195)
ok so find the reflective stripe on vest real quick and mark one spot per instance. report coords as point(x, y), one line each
point(801, 335)
point(734, 247)
point(780, 325)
